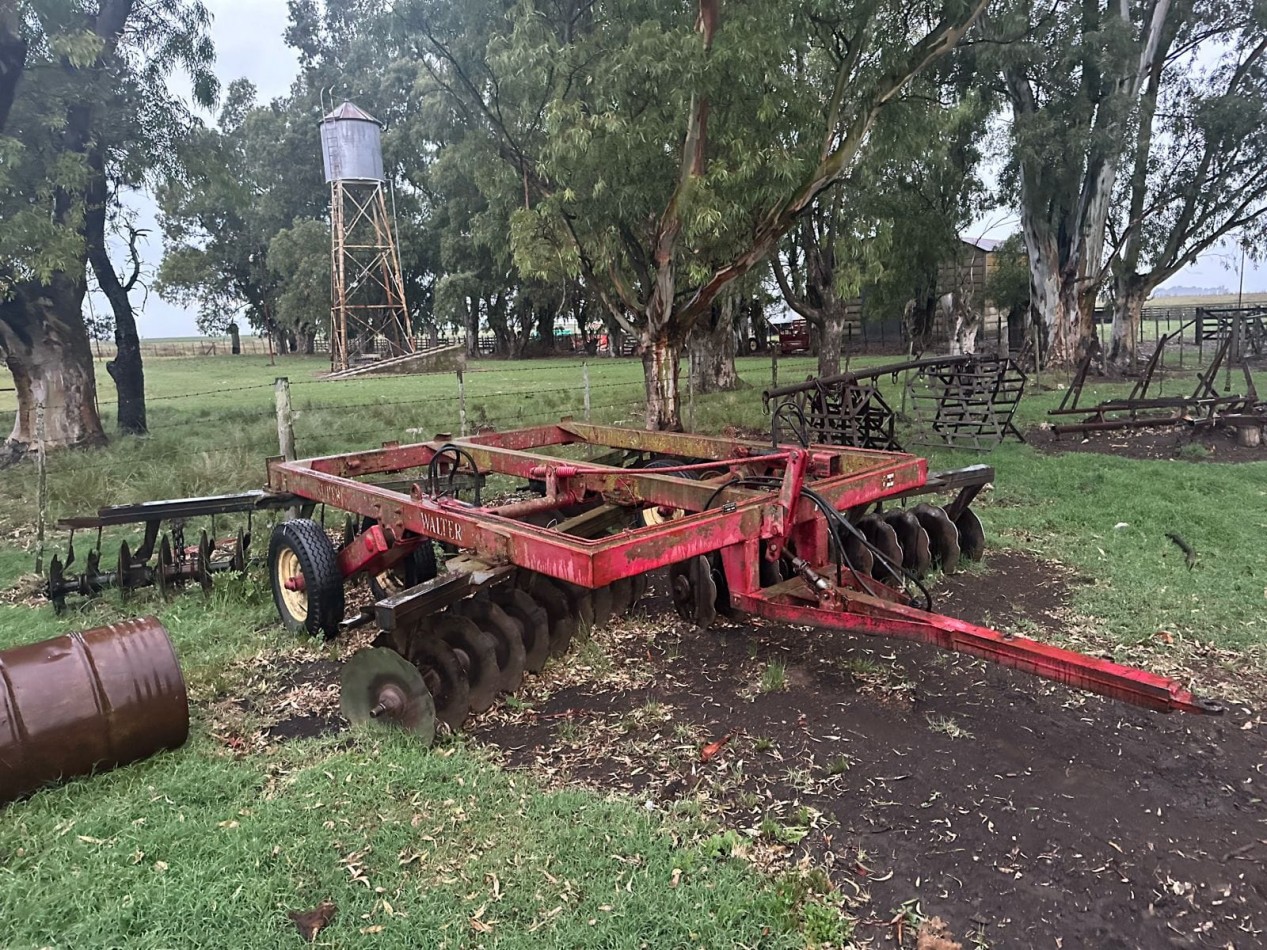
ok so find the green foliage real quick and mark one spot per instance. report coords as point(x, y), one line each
point(1007, 285)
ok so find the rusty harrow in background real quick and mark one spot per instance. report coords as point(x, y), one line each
point(1142, 408)
point(966, 401)
point(800, 535)
point(175, 562)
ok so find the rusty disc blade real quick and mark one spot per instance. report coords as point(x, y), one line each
point(379, 686)
point(637, 590)
point(943, 536)
point(443, 677)
point(971, 535)
point(883, 539)
point(478, 652)
point(507, 635)
point(163, 569)
point(603, 601)
point(916, 556)
point(622, 596)
point(857, 555)
point(534, 622)
point(581, 600)
point(551, 597)
point(124, 571)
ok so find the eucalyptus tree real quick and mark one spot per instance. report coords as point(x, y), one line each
point(1073, 74)
point(1197, 168)
point(71, 139)
point(247, 179)
point(892, 228)
point(661, 151)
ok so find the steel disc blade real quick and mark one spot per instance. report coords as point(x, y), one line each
point(943, 536)
point(603, 602)
point(558, 608)
point(883, 539)
point(705, 592)
point(482, 671)
point(443, 677)
point(239, 552)
point(124, 571)
point(682, 590)
point(507, 635)
point(163, 569)
point(857, 555)
point(622, 596)
point(916, 556)
point(637, 590)
point(581, 600)
point(721, 600)
point(971, 535)
point(534, 624)
point(380, 686)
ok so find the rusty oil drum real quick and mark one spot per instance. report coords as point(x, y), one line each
point(87, 702)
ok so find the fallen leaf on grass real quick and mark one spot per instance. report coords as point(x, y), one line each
point(311, 922)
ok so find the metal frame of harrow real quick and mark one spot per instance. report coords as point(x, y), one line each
point(741, 524)
point(966, 400)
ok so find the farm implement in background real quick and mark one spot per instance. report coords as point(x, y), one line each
point(819, 535)
point(965, 401)
point(1143, 407)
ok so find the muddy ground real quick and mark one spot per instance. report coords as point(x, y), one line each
point(1183, 443)
point(1021, 813)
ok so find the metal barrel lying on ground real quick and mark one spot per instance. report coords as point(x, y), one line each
point(86, 702)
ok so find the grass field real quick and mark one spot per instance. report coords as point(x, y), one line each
point(211, 845)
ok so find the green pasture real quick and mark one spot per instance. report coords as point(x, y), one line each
point(208, 847)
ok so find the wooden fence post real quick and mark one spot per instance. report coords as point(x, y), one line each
point(285, 419)
point(461, 404)
point(585, 381)
point(41, 468)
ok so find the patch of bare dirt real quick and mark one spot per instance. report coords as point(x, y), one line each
point(1181, 443)
point(927, 784)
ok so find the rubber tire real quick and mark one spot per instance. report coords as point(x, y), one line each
point(323, 583)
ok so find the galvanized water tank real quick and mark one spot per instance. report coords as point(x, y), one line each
point(88, 701)
point(351, 145)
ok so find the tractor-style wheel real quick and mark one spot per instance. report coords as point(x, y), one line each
point(300, 549)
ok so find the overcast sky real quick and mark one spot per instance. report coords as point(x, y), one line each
point(249, 43)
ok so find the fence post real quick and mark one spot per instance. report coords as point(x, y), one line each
point(774, 364)
point(41, 468)
point(285, 418)
point(461, 405)
point(585, 380)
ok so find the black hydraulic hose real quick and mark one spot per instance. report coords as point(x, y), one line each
point(833, 516)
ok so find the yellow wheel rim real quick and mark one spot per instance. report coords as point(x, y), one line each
point(288, 568)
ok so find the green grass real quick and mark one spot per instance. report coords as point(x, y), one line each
point(149, 855)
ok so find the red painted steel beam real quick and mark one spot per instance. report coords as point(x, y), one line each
point(862, 613)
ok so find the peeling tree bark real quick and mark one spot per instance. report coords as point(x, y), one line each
point(50, 358)
point(713, 345)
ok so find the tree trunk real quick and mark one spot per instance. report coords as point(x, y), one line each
point(125, 369)
point(235, 339)
point(962, 324)
point(47, 350)
point(660, 370)
point(713, 356)
point(545, 329)
point(471, 327)
point(831, 339)
point(308, 341)
point(1128, 307)
point(1044, 290)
